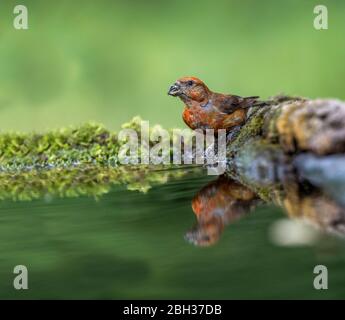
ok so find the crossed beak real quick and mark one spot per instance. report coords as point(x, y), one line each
point(174, 90)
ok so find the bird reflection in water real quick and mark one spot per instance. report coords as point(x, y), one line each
point(216, 205)
point(225, 201)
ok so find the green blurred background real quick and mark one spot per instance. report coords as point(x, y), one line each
point(108, 61)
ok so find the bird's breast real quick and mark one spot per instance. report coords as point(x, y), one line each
point(200, 118)
point(196, 118)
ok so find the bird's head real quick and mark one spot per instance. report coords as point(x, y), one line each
point(189, 88)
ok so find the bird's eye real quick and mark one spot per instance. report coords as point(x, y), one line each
point(190, 83)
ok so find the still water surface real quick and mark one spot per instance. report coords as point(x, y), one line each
point(129, 244)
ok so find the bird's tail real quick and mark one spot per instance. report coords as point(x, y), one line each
point(252, 97)
point(254, 102)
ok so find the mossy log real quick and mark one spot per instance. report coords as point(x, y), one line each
point(285, 128)
point(297, 125)
point(72, 162)
point(274, 140)
point(292, 152)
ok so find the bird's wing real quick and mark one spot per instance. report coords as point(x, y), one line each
point(230, 103)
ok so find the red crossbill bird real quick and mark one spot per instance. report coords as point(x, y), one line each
point(205, 109)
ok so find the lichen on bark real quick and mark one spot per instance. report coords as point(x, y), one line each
point(292, 137)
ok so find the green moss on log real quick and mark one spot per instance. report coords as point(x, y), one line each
point(88, 144)
point(83, 145)
point(73, 162)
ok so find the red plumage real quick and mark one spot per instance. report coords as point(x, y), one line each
point(205, 109)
